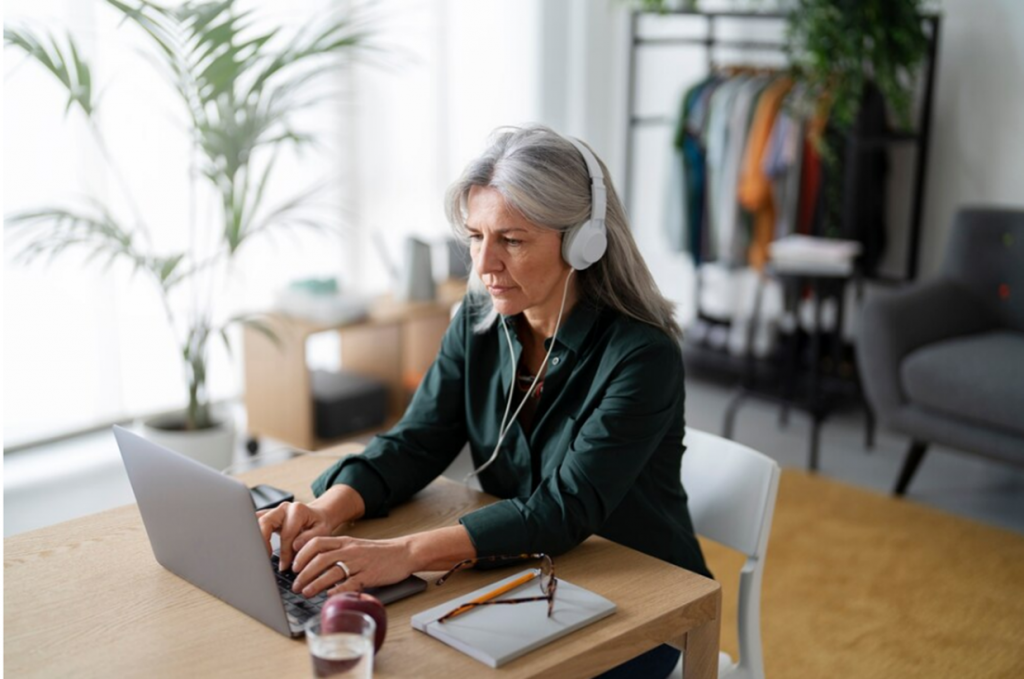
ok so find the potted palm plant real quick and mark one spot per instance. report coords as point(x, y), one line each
point(239, 88)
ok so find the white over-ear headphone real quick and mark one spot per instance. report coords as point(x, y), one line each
point(585, 244)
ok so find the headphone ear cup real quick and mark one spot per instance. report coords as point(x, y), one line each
point(585, 244)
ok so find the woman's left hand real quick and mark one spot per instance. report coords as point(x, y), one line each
point(370, 563)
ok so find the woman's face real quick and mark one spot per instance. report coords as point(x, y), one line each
point(519, 262)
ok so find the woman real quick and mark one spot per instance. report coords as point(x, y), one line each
point(566, 382)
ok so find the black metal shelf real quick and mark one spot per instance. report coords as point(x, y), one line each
point(734, 14)
point(652, 120)
point(709, 43)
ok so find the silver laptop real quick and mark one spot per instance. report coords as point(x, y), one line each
point(202, 527)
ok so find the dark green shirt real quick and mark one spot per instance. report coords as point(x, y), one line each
point(607, 438)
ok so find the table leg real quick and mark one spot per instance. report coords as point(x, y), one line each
point(789, 371)
point(700, 657)
point(814, 396)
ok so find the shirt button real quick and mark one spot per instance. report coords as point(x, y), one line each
point(555, 360)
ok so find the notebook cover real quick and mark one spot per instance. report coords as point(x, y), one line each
point(495, 635)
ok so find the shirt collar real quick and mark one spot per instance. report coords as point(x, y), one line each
point(574, 329)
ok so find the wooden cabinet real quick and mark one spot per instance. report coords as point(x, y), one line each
point(396, 344)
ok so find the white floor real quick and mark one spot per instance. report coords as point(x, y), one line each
point(84, 475)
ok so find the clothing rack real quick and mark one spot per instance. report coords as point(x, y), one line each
point(919, 138)
point(788, 373)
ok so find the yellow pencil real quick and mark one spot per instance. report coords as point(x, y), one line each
point(493, 595)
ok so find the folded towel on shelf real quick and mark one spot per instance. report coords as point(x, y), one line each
point(812, 254)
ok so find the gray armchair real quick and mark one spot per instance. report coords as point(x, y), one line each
point(942, 361)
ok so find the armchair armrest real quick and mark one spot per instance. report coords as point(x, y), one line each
point(896, 322)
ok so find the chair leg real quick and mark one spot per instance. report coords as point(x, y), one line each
point(729, 423)
point(914, 457)
point(869, 428)
point(812, 463)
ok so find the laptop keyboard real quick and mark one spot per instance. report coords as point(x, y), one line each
point(299, 608)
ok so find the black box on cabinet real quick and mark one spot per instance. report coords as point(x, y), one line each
point(345, 402)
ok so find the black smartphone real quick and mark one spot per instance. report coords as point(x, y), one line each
point(268, 497)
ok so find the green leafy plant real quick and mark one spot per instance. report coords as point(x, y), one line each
point(664, 6)
point(240, 88)
point(837, 46)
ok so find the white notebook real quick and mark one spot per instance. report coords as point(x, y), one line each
point(497, 634)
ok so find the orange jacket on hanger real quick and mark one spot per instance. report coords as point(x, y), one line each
point(755, 189)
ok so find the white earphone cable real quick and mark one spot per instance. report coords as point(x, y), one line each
point(503, 429)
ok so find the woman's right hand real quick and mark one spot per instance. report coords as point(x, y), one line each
point(297, 523)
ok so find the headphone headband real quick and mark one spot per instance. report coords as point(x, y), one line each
point(598, 192)
point(585, 244)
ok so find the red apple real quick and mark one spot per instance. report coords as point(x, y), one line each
point(361, 603)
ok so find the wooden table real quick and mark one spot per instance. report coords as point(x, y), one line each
point(87, 598)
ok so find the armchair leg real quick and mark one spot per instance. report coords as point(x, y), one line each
point(914, 457)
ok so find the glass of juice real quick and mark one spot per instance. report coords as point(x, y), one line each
point(347, 650)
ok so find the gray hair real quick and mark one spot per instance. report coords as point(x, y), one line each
point(543, 177)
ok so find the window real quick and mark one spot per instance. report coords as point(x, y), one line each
point(84, 348)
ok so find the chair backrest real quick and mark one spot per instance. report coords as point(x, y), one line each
point(732, 490)
point(986, 255)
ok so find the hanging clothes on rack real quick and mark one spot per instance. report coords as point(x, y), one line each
point(783, 162)
point(684, 223)
point(731, 231)
point(755, 190)
point(720, 287)
point(737, 162)
point(716, 141)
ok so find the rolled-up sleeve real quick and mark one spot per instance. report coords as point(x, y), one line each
point(397, 464)
point(643, 399)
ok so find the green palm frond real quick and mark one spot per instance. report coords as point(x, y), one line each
point(241, 91)
point(53, 230)
point(258, 322)
point(47, 233)
point(65, 64)
point(291, 213)
point(240, 87)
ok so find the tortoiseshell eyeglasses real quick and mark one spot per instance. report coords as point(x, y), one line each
point(545, 576)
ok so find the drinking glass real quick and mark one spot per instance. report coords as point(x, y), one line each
point(347, 651)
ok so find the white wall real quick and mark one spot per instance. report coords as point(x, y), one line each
point(453, 72)
point(977, 153)
point(582, 74)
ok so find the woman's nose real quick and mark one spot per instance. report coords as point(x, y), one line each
point(488, 259)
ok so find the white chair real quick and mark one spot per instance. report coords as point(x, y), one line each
point(731, 490)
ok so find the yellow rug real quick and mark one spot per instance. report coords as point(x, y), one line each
point(859, 584)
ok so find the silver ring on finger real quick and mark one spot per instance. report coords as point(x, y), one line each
point(344, 569)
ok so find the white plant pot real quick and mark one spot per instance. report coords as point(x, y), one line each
point(214, 447)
